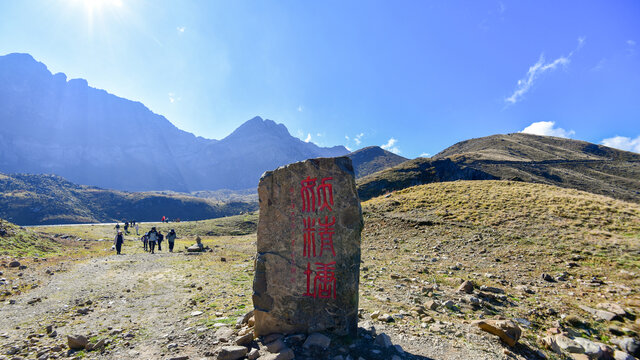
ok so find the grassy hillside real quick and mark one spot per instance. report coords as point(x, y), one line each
point(48, 199)
point(372, 159)
point(504, 235)
point(18, 241)
point(520, 157)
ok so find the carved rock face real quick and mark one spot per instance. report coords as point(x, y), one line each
point(308, 261)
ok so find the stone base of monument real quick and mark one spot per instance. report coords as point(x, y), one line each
point(241, 343)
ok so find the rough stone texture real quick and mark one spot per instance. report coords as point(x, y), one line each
point(77, 342)
point(630, 345)
point(280, 280)
point(317, 339)
point(601, 314)
point(466, 287)
point(506, 330)
point(232, 352)
point(611, 307)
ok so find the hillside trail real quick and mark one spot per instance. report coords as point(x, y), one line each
point(141, 303)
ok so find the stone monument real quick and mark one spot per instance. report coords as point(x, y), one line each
point(308, 262)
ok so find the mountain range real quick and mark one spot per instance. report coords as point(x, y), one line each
point(65, 127)
point(521, 157)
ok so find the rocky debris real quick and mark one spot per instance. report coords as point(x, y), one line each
point(318, 340)
point(77, 342)
point(548, 278)
point(466, 287)
point(311, 193)
point(612, 308)
point(14, 264)
point(621, 355)
point(232, 352)
point(507, 330)
point(630, 345)
point(600, 314)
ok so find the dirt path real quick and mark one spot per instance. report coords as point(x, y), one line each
point(164, 306)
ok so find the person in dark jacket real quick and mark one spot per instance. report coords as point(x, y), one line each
point(160, 238)
point(171, 238)
point(118, 241)
point(153, 237)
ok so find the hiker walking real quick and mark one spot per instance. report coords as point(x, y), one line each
point(126, 227)
point(171, 238)
point(153, 237)
point(117, 227)
point(137, 228)
point(118, 241)
point(145, 241)
point(160, 238)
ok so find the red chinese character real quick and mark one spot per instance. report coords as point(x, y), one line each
point(324, 283)
point(325, 194)
point(326, 234)
point(308, 195)
point(309, 235)
point(308, 272)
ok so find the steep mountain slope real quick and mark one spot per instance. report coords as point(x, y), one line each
point(530, 158)
point(51, 125)
point(49, 199)
point(372, 159)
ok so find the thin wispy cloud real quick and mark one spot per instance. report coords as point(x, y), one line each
point(631, 43)
point(358, 138)
point(623, 143)
point(173, 98)
point(300, 109)
point(181, 29)
point(547, 128)
point(391, 146)
point(426, 155)
point(308, 138)
point(539, 68)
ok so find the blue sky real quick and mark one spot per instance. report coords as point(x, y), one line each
point(415, 76)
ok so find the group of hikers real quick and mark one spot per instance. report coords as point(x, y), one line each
point(154, 236)
point(149, 240)
point(133, 224)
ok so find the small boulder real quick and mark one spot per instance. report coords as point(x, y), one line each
point(630, 345)
point(466, 287)
point(317, 339)
point(591, 349)
point(506, 330)
point(621, 355)
point(77, 342)
point(611, 307)
point(232, 352)
point(245, 339)
point(568, 344)
point(383, 340)
point(276, 346)
point(14, 264)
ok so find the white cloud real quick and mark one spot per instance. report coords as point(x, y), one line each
point(300, 109)
point(425, 155)
point(547, 128)
point(173, 98)
point(308, 138)
point(539, 68)
point(631, 43)
point(623, 143)
point(358, 138)
point(390, 146)
point(181, 29)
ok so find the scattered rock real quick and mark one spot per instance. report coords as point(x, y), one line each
point(466, 287)
point(77, 342)
point(317, 339)
point(621, 355)
point(547, 277)
point(245, 339)
point(591, 349)
point(568, 344)
point(232, 352)
point(613, 308)
point(386, 318)
point(506, 330)
point(383, 340)
point(630, 345)
point(276, 346)
point(14, 264)
point(600, 314)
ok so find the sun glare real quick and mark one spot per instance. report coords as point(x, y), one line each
point(97, 5)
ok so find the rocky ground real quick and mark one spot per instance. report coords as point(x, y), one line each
point(559, 265)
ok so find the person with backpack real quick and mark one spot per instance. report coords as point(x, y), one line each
point(171, 238)
point(153, 237)
point(126, 227)
point(145, 241)
point(160, 238)
point(118, 241)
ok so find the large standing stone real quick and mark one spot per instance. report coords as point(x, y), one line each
point(308, 262)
